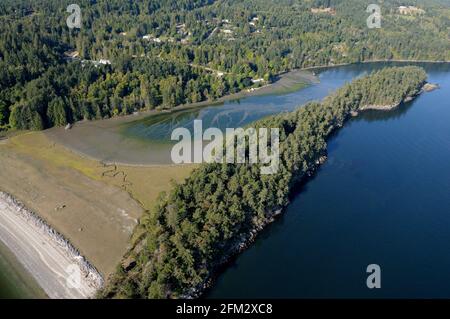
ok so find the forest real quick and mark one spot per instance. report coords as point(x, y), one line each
point(158, 54)
point(200, 223)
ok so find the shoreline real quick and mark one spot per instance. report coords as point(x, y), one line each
point(30, 218)
point(302, 76)
point(247, 239)
point(78, 141)
point(426, 87)
point(46, 254)
point(15, 280)
point(74, 139)
point(267, 89)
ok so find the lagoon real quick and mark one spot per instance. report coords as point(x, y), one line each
point(383, 197)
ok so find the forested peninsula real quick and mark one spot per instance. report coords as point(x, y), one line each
point(218, 211)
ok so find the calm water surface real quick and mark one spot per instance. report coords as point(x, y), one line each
point(15, 282)
point(382, 198)
point(238, 113)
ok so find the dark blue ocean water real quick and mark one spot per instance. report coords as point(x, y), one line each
point(382, 198)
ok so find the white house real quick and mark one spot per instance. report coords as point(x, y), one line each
point(255, 81)
point(410, 10)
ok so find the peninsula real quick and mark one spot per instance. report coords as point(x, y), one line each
point(220, 208)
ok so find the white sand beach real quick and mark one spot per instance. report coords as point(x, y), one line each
point(45, 254)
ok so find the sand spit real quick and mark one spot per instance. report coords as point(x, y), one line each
point(45, 253)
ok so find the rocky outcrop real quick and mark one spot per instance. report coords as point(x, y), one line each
point(380, 107)
point(428, 87)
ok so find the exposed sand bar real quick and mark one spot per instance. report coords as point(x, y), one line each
point(46, 254)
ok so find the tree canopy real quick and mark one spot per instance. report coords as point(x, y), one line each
point(199, 223)
point(166, 53)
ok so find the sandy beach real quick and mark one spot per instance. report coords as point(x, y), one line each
point(95, 207)
point(45, 254)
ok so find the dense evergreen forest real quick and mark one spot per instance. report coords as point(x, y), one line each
point(193, 228)
point(163, 53)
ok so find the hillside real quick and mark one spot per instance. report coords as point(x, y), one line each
point(130, 56)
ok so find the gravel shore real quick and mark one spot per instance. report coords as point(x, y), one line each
point(55, 264)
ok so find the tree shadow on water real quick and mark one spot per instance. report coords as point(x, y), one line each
point(377, 115)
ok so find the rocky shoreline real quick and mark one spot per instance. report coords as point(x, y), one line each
point(238, 247)
point(91, 277)
point(426, 87)
point(429, 87)
point(247, 239)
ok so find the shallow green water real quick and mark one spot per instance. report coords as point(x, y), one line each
point(15, 282)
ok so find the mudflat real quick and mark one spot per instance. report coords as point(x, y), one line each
point(105, 140)
point(95, 206)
